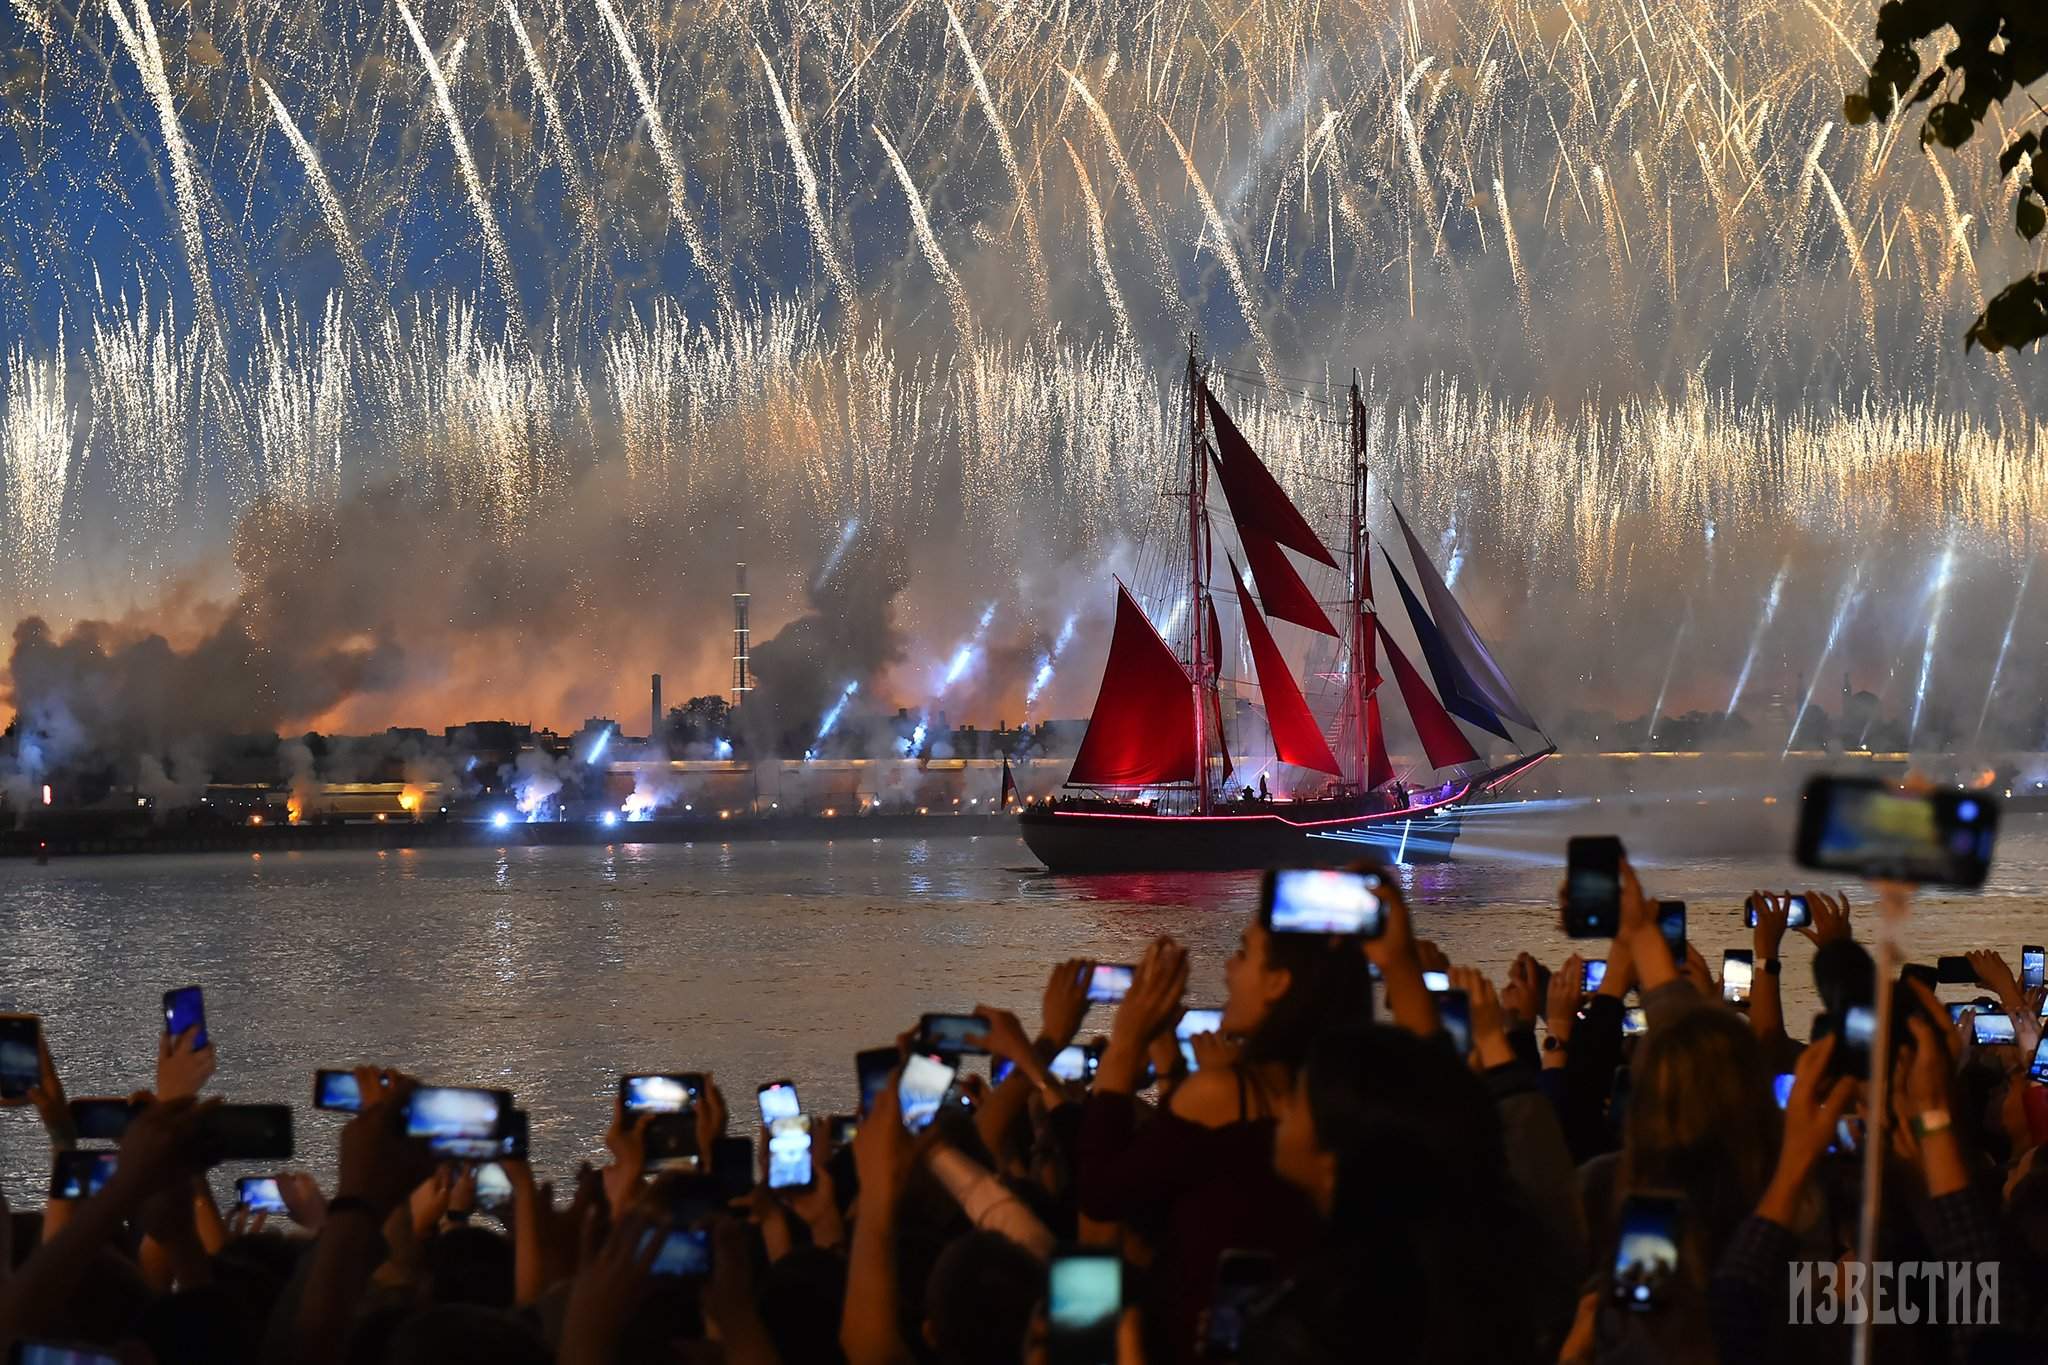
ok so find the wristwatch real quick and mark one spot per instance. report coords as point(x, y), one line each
point(1553, 1043)
point(1771, 965)
point(1933, 1121)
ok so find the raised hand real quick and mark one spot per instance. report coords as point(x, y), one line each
point(379, 1164)
point(1992, 971)
point(1830, 915)
point(626, 1140)
point(1817, 1104)
point(47, 1095)
point(1066, 1001)
point(1153, 1001)
point(1432, 958)
point(612, 1273)
point(302, 1199)
point(182, 1069)
point(1561, 1003)
point(430, 1198)
point(1214, 1052)
point(1005, 1037)
point(882, 1148)
point(1771, 914)
point(1489, 1025)
point(1522, 999)
point(164, 1147)
point(709, 1116)
point(1695, 970)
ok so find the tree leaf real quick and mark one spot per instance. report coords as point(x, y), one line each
point(2031, 215)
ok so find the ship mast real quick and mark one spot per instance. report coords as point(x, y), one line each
point(1199, 664)
point(1361, 632)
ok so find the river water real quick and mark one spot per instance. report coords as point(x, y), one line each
point(548, 971)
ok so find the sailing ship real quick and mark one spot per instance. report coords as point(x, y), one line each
point(1154, 769)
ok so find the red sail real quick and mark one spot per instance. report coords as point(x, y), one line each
point(1379, 769)
point(1297, 739)
point(1142, 730)
point(1442, 740)
point(1257, 501)
point(1222, 735)
point(1281, 590)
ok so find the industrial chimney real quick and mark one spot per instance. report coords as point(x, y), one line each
point(654, 716)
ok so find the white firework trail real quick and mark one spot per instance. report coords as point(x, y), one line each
point(956, 293)
point(1098, 241)
point(807, 182)
point(665, 152)
point(1226, 251)
point(473, 181)
point(139, 38)
point(352, 262)
point(1155, 242)
point(558, 131)
point(38, 433)
point(1033, 253)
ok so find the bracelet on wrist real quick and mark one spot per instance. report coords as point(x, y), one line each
point(1925, 1125)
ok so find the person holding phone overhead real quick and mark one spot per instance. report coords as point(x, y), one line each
point(1200, 1174)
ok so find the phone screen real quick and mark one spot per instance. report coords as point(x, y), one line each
point(2033, 967)
point(53, 1353)
point(1738, 970)
point(778, 1101)
point(185, 1008)
point(924, 1084)
point(1993, 1028)
point(1454, 1012)
point(1595, 973)
point(789, 1153)
point(1436, 983)
point(1874, 830)
point(1109, 983)
point(21, 1055)
point(871, 1068)
point(1781, 1087)
point(1797, 916)
point(337, 1092)
point(1859, 1030)
point(102, 1120)
point(1671, 921)
point(456, 1121)
point(79, 1175)
point(1083, 1298)
point(1191, 1023)
point(259, 1194)
point(1592, 896)
point(1074, 1063)
point(664, 1094)
point(1305, 900)
point(1648, 1255)
point(948, 1034)
point(1634, 1020)
point(493, 1187)
point(686, 1253)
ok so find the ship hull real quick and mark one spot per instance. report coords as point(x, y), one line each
point(1110, 837)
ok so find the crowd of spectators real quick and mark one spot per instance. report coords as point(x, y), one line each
point(1328, 1175)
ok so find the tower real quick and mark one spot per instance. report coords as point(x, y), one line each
point(654, 714)
point(742, 681)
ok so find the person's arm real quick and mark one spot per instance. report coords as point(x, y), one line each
point(1589, 1075)
point(610, 1275)
point(996, 1120)
point(732, 1314)
point(1398, 957)
point(48, 1097)
point(162, 1149)
point(868, 1331)
point(987, 1201)
point(379, 1168)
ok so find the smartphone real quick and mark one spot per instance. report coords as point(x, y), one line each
point(259, 1194)
point(248, 1132)
point(493, 1188)
point(1781, 1087)
point(456, 1121)
point(336, 1091)
point(1084, 1297)
point(841, 1129)
point(2033, 967)
point(1436, 983)
point(778, 1101)
point(1738, 969)
point(1955, 971)
point(1957, 1008)
point(925, 1082)
point(1648, 1255)
point(1671, 921)
point(57, 1353)
point(102, 1120)
point(732, 1169)
point(1797, 915)
point(1634, 1020)
point(79, 1175)
point(1921, 972)
point(1595, 973)
point(1992, 1028)
point(671, 1098)
point(1875, 831)
point(1241, 1277)
point(21, 1055)
point(1191, 1023)
point(512, 1143)
point(789, 1153)
point(1592, 887)
point(1109, 983)
point(1454, 1013)
point(1310, 900)
point(1852, 1050)
point(185, 1008)
point(2037, 1070)
point(947, 1034)
point(685, 1254)
point(871, 1068)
